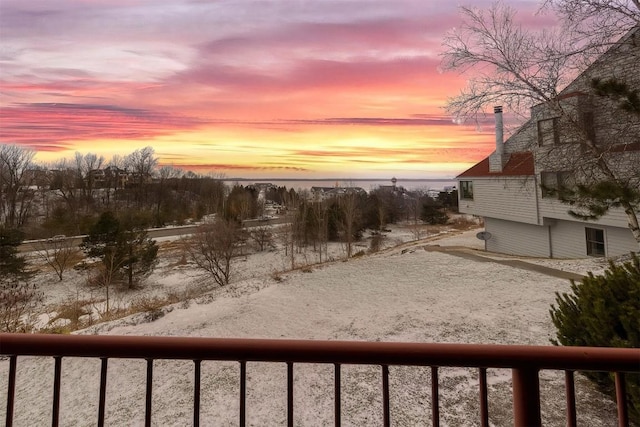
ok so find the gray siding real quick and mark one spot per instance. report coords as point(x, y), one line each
point(508, 198)
point(553, 208)
point(619, 241)
point(568, 239)
point(516, 238)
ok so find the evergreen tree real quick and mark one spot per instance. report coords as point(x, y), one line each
point(603, 311)
point(123, 246)
point(628, 99)
point(433, 213)
point(17, 296)
point(102, 235)
point(11, 265)
point(138, 253)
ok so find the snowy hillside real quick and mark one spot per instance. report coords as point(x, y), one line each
point(401, 294)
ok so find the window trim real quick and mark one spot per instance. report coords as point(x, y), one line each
point(593, 245)
point(466, 190)
point(562, 181)
point(554, 129)
point(548, 191)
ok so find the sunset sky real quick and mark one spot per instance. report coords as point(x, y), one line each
point(243, 88)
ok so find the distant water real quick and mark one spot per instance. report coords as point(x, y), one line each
point(365, 184)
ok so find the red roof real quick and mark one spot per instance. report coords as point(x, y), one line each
point(519, 164)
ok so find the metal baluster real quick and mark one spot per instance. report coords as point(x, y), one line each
point(621, 399)
point(290, 394)
point(243, 393)
point(526, 397)
point(56, 391)
point(11, 390)
point(147, 414)
point(337, 396)
point(103, 391)
point(570, 388)
point(196, 394)
point(484, 400)
point(385, 396)
point(435, 397)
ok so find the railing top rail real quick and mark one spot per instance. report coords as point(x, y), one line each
point(309, 351)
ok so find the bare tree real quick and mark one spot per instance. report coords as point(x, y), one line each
point(288, 230)
point(165, 173)
point(65, 183)
point(509, 65)
point(105, 274)
point(262, 235)
point(59, 253)
point(348, 203)
point(521, 68)
point(17, 302)
point(117, 161)
point(214, 192)
point(213, 248)
point(142, 164)
point(595, 24)
point(285, 235)
point(88, 167)
point(15, 195)
point(241, 203)
point(115, 178)
point(320, 215)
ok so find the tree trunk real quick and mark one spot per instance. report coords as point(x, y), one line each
point(632, 218)
point(130, 266)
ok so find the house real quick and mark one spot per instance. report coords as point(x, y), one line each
point(320, 194)
point(516, 189)
point(116, 177)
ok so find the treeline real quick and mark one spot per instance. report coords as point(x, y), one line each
point(68, 196)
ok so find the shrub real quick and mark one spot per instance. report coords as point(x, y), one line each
point(604, 311)
point(377, 239)
point(433, 214)
point(18, 300)
point(277, 276)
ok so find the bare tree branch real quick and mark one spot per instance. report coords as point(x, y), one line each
point(213, 247)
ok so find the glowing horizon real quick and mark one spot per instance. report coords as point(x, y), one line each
point(239, 88)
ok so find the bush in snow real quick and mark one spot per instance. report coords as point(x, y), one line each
point(604, 311)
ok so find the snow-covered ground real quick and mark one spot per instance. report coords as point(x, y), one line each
point(402, 293)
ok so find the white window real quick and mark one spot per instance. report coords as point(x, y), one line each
point(555, 184)
point(466, 190)
point(595, 241)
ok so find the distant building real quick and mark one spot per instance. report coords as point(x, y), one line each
point(393, 188)
point(115, 177)
point(320, 194)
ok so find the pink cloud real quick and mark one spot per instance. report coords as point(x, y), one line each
point(314, 74)
point(321, 38)
point(55, 125)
